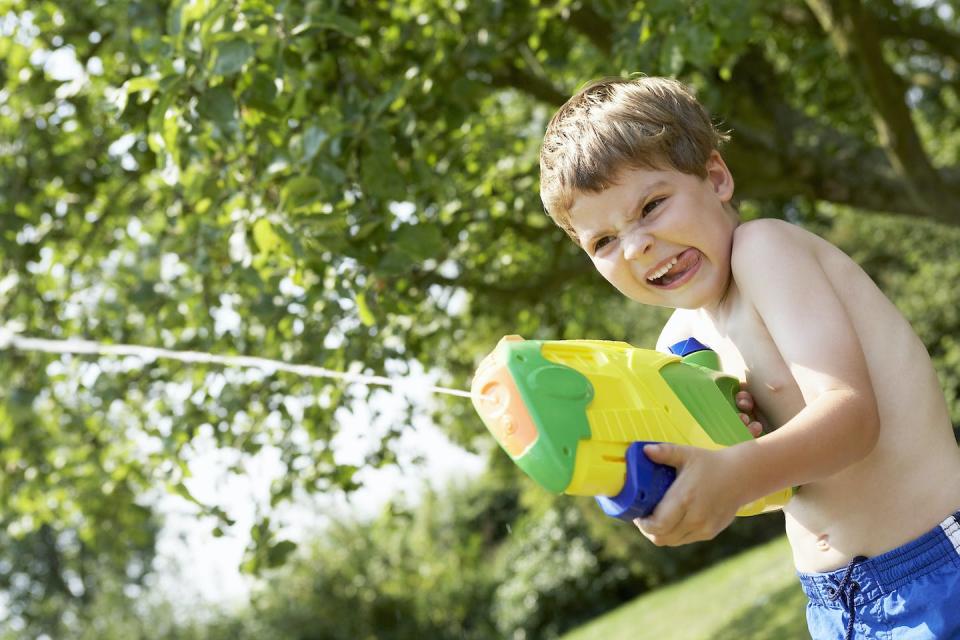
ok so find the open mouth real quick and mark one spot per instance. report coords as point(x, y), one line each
point(677, 271)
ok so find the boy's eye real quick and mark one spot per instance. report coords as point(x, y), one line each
point(601, 243)
point(653, 204)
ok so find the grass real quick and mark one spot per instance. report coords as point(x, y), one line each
point(754, 595)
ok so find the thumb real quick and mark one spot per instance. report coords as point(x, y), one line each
point(673, 455)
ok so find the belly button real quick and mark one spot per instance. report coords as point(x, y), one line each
point(823, 543)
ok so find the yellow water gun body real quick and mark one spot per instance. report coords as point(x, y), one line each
point(575, 414)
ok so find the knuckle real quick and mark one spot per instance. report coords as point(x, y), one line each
point(708, 532)
point(655, 539)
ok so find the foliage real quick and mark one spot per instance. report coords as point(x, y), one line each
point(411, 572)
point(497, 557)
point(554, 577)
point(114, 606)
point(353, 185)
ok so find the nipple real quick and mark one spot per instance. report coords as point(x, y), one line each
point(823, 542)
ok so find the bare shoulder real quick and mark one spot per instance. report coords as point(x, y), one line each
point(767, 233)
point(678, 327)
point(780, 245)
point(773, 244)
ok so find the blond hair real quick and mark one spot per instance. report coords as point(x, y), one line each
point(621, 123)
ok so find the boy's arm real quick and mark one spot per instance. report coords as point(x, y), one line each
point(786, 285)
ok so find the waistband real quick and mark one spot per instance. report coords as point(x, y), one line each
point(880, 575)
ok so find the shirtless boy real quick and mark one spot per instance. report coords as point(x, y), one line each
point(630, 169)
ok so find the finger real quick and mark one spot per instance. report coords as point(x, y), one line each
point(762, 419)
point(660, 527)
point(745, 419)
point(672, 455)
point(755, 428)
point(666, 536)
point(691, 537)
point(660, 541)
point(744, 401)
point(641, 524)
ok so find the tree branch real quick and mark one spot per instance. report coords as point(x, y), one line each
point(914, 24)
point(564, 271)
point(778, 152)
point(512, 76)
point(595, 27)
point(855, 36)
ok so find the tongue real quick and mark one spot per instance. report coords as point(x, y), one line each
point(684, 261)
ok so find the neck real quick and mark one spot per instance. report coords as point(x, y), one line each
point(718, 311)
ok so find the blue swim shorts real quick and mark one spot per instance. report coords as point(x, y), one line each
point(911, 592)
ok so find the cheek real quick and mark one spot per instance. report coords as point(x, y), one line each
point(618, 274)
point(606, 268)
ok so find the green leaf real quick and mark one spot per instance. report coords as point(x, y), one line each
point(181, 490)
point(231, 56)
point(343, 24)
point(419, 241)
point(409, 246)
point(217, 104)
point(141, 83)
point(171, 132)
point(266, 238)
point(378, 168)
point(262, 94)
point(332, 174)
point(157, 118)
point(302, 191)
point(363, 310)
point(277, 553)
point(313, 137)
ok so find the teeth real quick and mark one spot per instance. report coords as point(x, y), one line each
point(662, 270)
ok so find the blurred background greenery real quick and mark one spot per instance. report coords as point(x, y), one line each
point(353, 184)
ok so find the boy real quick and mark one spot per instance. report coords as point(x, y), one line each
point(631, 170)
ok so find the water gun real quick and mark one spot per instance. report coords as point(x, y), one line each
point(574, 415)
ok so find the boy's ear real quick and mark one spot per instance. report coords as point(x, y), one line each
point(719, 176)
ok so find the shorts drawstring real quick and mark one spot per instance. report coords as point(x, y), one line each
point(846, 593)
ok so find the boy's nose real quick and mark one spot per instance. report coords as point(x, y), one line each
point(636, 244)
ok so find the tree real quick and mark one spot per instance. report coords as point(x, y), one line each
point(353, 185)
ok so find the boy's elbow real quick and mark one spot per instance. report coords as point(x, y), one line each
point(867, 419)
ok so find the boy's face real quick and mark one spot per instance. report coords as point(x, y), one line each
point(662, 237)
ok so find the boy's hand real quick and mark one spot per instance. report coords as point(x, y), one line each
point(700, 503)
point(748, 413)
